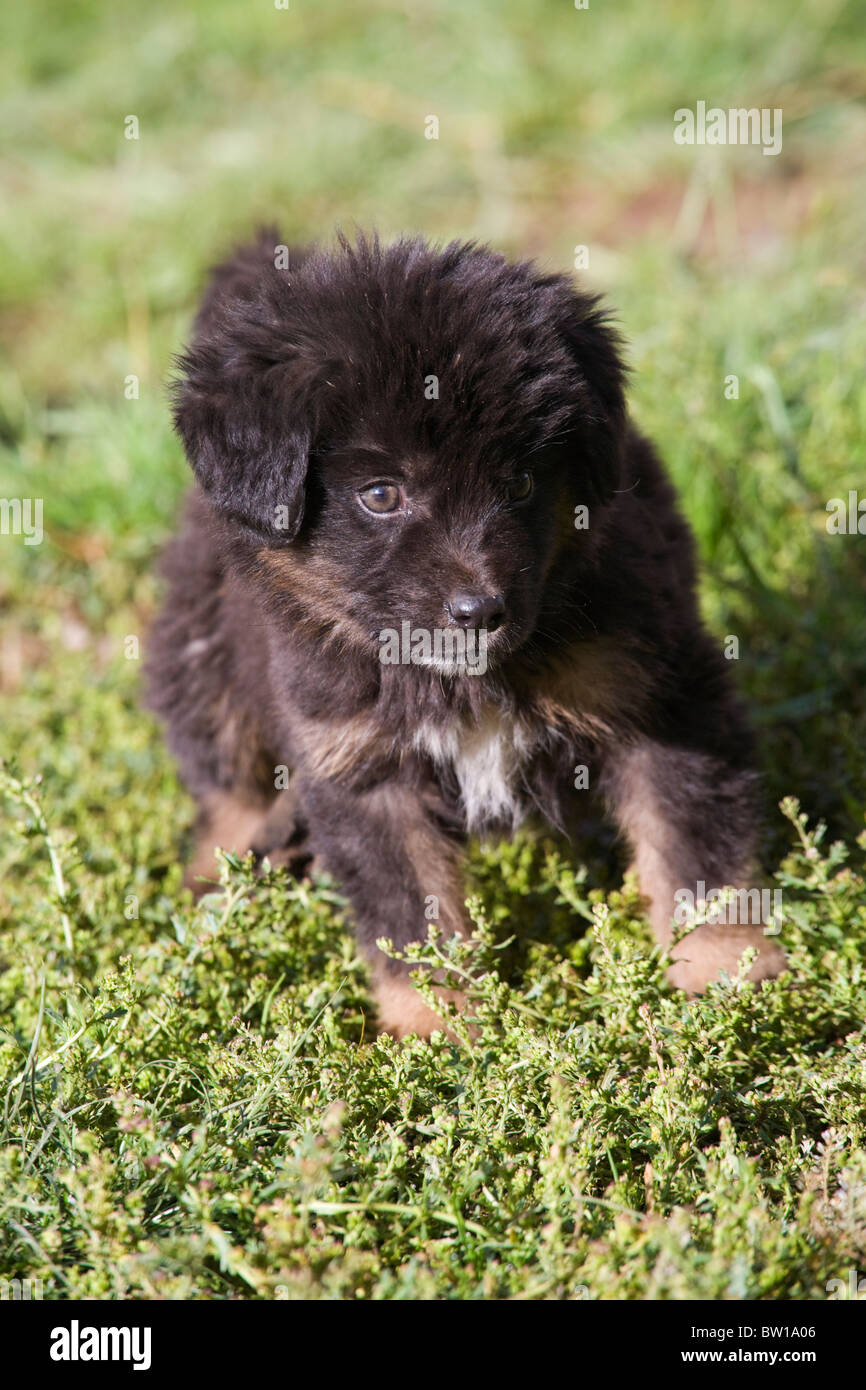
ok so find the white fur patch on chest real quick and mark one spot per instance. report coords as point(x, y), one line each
point(487, 760)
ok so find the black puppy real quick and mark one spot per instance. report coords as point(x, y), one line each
point(432, 573)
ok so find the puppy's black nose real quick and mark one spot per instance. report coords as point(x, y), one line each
point(476, 610)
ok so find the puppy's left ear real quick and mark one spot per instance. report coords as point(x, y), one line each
point(600, 420)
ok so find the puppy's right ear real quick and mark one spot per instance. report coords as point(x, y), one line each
point(245, 455)
point(239, 405)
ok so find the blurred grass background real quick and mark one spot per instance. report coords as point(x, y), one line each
point(555, 131)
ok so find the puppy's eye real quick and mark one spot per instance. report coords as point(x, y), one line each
point(381, 498)
point(520, 487)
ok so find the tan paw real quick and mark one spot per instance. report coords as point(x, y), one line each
point(402, 1011)
point(701, 956)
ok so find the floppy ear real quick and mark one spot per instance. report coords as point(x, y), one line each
point(595, 348)
point(245, 455)
point(238, 404)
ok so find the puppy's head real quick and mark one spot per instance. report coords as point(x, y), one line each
point(405, 432)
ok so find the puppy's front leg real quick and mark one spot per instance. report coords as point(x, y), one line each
point(689, 818)
point(400, 870)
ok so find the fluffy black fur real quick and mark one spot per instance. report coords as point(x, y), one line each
point(447, 375)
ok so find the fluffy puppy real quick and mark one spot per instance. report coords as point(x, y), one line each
point(432, 580)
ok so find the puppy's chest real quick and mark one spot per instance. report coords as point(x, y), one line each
point(488, 761)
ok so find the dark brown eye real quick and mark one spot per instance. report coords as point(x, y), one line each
point(520, 487)
point(381, 498)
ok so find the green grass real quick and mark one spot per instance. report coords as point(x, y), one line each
point(194, 1103)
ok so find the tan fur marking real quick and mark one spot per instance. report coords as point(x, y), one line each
point(435, 868)
point(229, 823)
point(710, 948)
point(337, 748)
point(435, 861)
point(651, 837)
point(402, 1010)
point(596, 689)
point(699, 957)
point(320, 592)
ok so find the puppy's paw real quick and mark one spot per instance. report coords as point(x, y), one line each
point(402, 1011)
point(699, 957)
point(282, 836)
point(297, 860)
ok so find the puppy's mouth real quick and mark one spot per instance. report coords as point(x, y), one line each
point(451, 650)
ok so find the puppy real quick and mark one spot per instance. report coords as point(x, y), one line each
point(432, 580)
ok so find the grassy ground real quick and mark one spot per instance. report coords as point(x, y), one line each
point(194, 1104)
